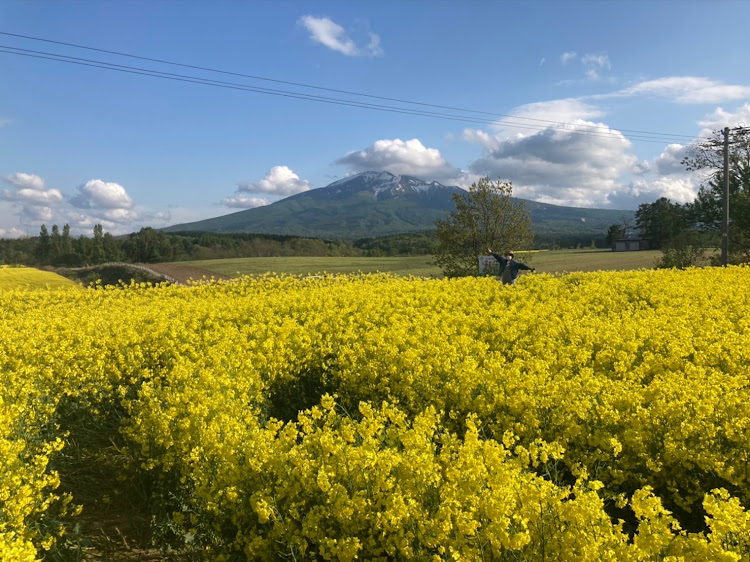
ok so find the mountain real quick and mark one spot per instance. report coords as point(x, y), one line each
point(374, 204)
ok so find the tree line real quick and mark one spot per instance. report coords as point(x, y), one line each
point(58, 248)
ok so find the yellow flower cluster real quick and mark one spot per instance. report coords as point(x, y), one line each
point(588, 416)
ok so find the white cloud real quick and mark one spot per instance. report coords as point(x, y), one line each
point(32, 204)
point(31, 200)
point(98, 194)
point(721, 118)
point(118, 215)
point(28, 181)
point(669, 162)
point(642, 190)
point(562, 152)
point(332, 35)
point(601, 60)
point(593, 63)
point(670, 178)
point(578, 164)
point(542, 61)
point(33, 196)
point(569, 166)
point(373, 48)
point(410, 158)
point(240, 201)
point(540, 115)
point(12, 232)
point(481, 137)
point(664, 176)
point(280, 181)
point(37, 213)
point(568, 56)
point(564, 167)
point(685, 90)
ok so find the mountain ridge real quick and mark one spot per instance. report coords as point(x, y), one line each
point(380, 204)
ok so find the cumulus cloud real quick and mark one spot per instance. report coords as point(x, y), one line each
point(669, 162)
point(563, 152)
point(678, 189)
point(564, 167)
point(38, 213)
point(32, 203)
point(32, 200)
point(669, 177)
point(579, 163)
point(33, 196)
point(685, 90)
point(105, 203)
point(721, 118)
point(280, 181)
point(664, 176)
point(332, 35)
point(98, 194)
point(409, 157)
point(25, 181)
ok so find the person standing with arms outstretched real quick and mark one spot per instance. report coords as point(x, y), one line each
point(509, 267)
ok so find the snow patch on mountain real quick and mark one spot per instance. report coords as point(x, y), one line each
point(385, 184)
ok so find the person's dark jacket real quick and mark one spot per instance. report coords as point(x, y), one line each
point(513, 265)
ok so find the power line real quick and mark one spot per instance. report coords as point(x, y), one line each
point(299, 84)
point(579, 129)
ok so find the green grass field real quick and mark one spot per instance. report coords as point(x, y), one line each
point(557, 261)
point(31, 278)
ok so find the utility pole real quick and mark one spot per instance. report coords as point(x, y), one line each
point(725, 203)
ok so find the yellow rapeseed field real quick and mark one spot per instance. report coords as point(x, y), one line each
point(31, 278)
point(592, 416)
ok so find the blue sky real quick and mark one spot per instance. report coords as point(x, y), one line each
point(563, 94)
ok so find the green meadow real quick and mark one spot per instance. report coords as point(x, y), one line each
point(552, 261)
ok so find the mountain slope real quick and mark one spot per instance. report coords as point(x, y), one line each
point(379, 204)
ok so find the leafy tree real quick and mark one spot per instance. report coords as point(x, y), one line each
point(67, 255)
point(661, 221)
point(67, 246)
point(148, 246)
point(44, 246)
point(706, 210)
point(56, 245)
point(614, 232)
point(97, 254)
point(485, 216)
point(111, 248)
